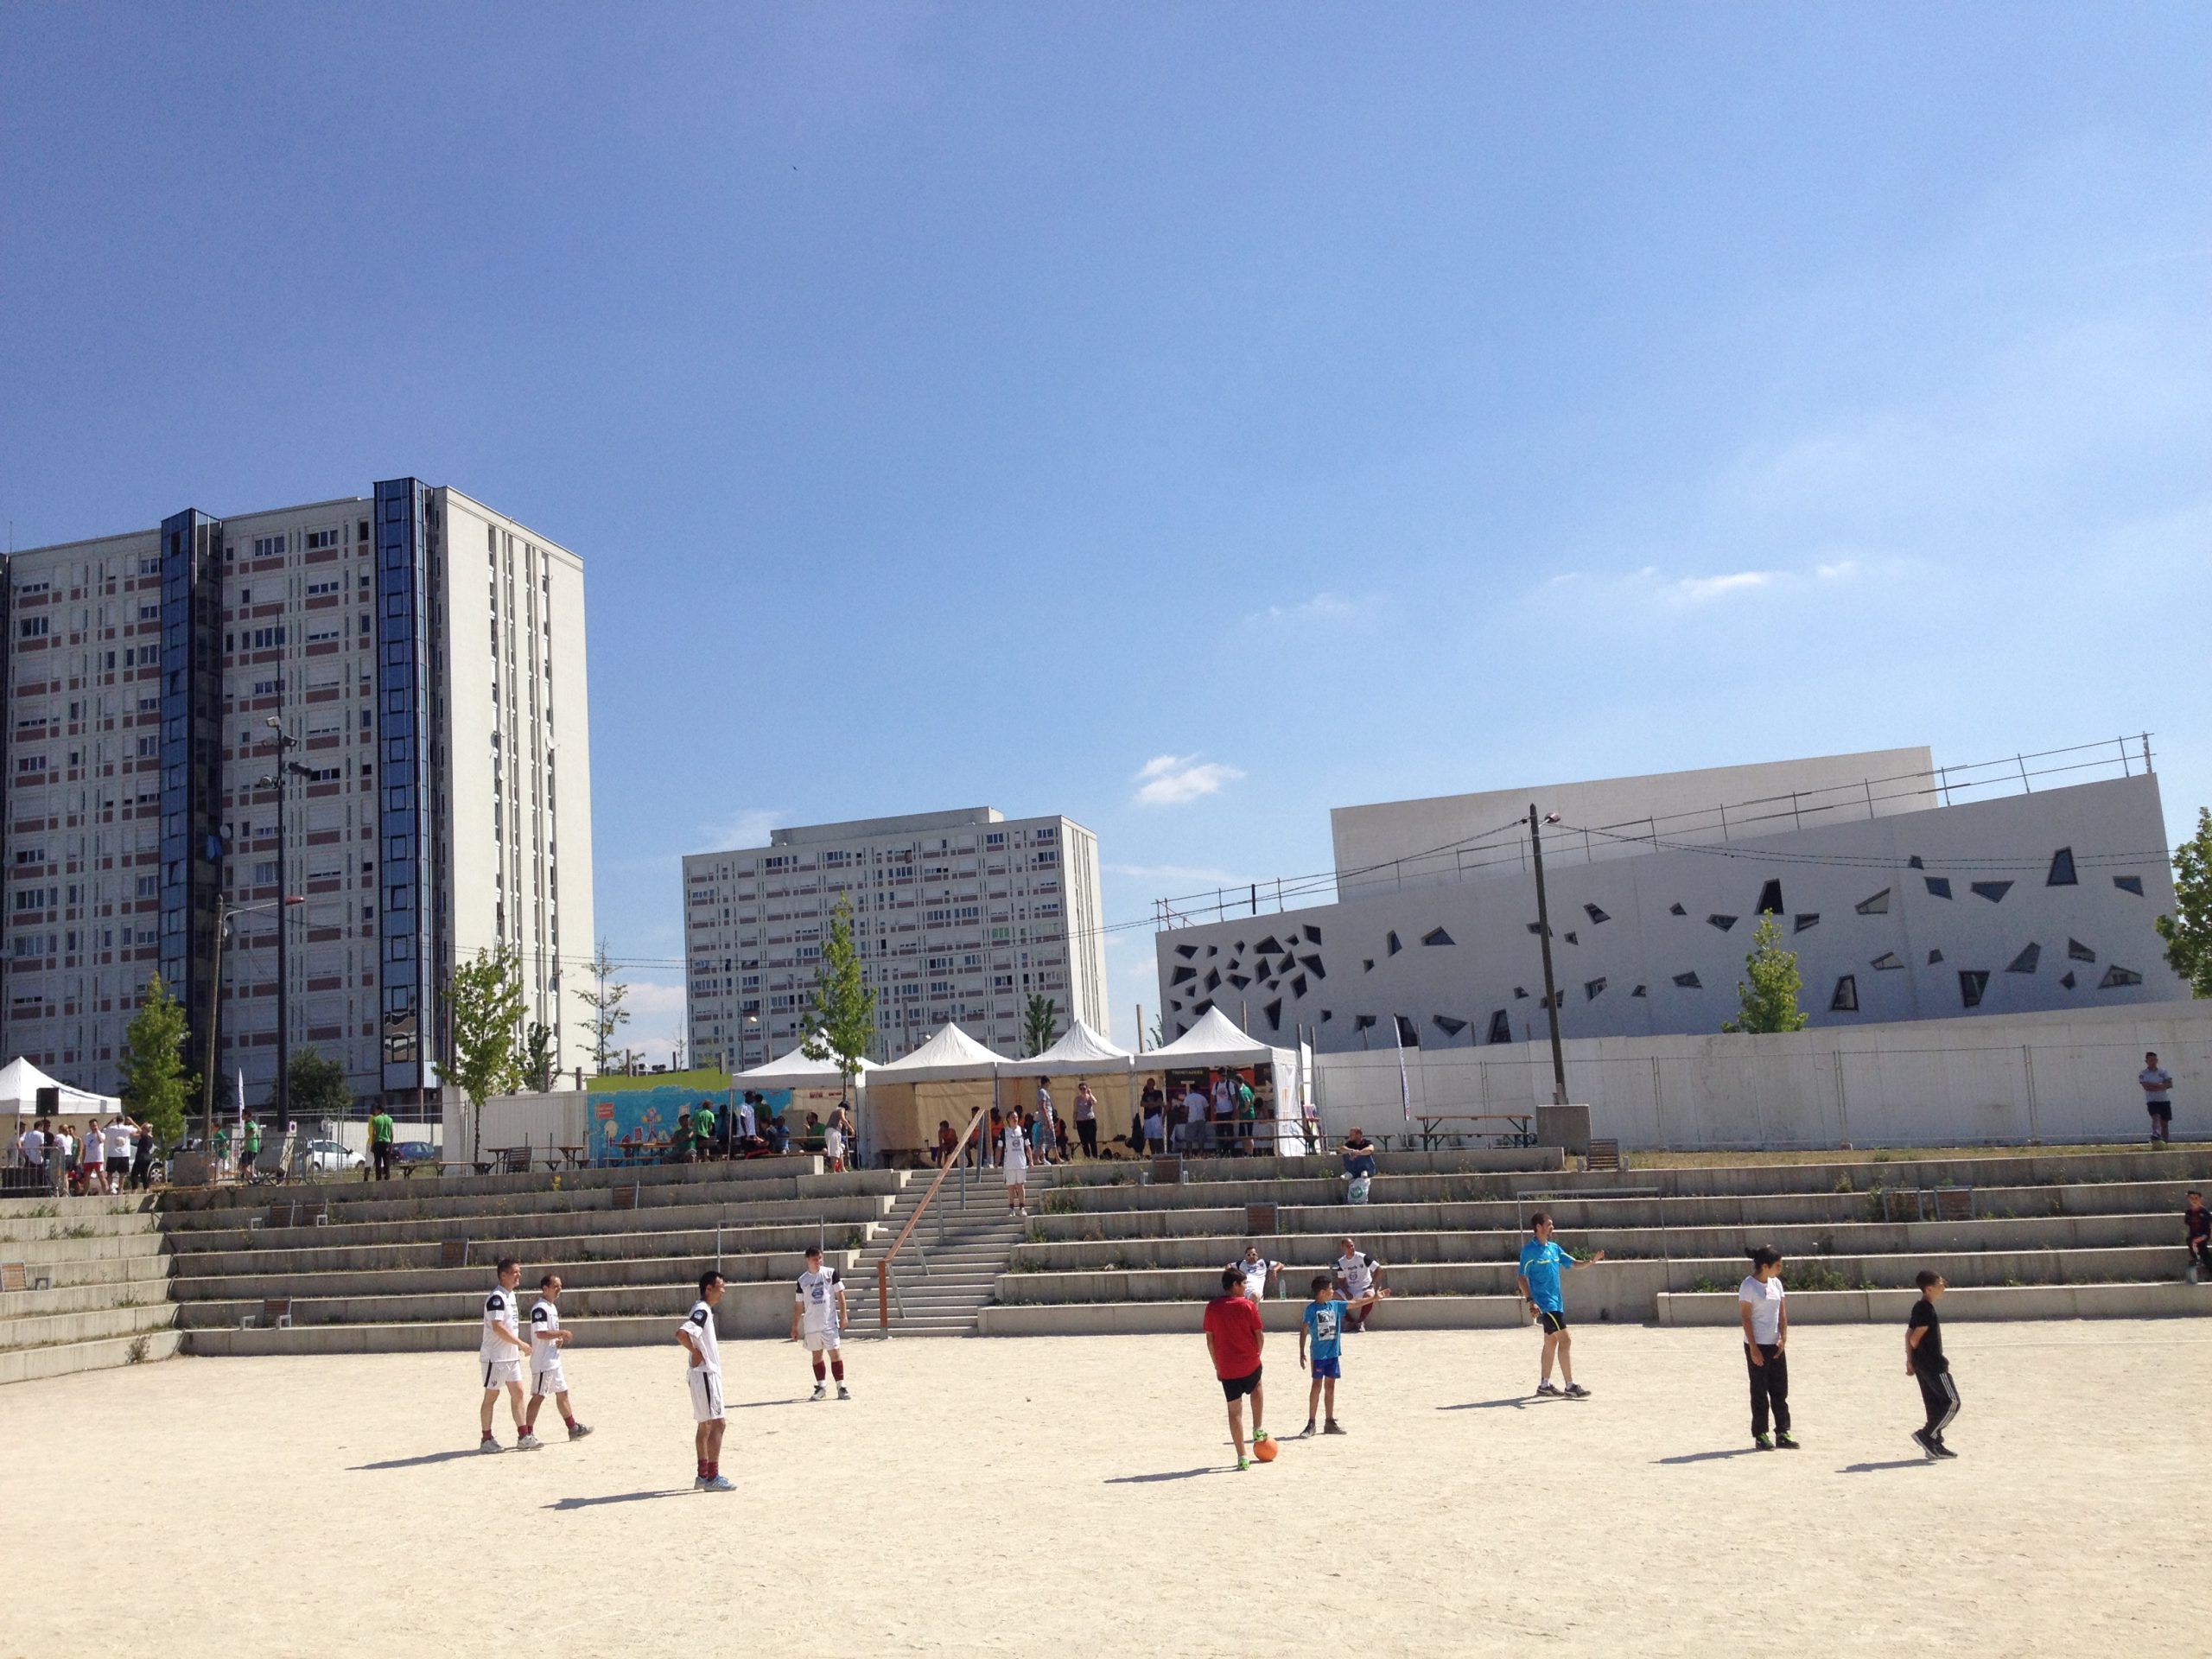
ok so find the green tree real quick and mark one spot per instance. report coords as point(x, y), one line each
point(1770, 999)
point(841, 1006)
point(1037, 1019)
point(155, 1087)
point(537, 1059)
point(604, 997)
point(484, 1003)
point(2188, 933)
point(320, 1087)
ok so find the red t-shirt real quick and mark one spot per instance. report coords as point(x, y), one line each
point(1233, 1322)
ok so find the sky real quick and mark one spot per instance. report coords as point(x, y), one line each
point(1185, 418)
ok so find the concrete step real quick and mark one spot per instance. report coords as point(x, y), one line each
point(92, 1325)
point(35, 1253)
point(577, 1278)
point(66, 1358)
point(668, 1301)
point(684, 1206)
point(792, 1176)
point(2111, 1301)
point(82, 1298)
point(73, 1224)
point(1122, 1318)
point(150, 1269)
point(797, 1223)
point(774, 1244)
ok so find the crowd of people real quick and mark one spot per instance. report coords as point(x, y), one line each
point(716, 1131)
point(117, 1156)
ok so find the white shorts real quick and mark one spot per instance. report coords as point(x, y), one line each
point(499, 1372)
point(706, 1396)
point(548, 1379)
point(818, 1342)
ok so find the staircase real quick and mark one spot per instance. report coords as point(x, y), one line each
point(949, 1268)
point(84, 1285)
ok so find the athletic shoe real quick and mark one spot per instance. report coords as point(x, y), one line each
point(1786, 1440)
point(1307, 1433)
point(1943, 1450)
point(1920, 1438)
point(700, 1484)
point(1547, 1387)
point(719, 1484)
point(1334, 1428)
point(844, 1392)
point(488, 1444)
point(529, 1442)
point(1576, 1391)
point(577, 1431)
point(820, 1393)
point(1760, 1443)
point(1244, 1463)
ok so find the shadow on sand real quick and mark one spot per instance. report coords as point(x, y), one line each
point(1711, 1457)
point(1147, 1480)
point(1869, 1468)
point(425, 1461)
point(618, 1498)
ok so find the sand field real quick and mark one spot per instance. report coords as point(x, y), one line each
point(1073, 1496)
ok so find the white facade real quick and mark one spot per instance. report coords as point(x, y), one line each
point(959, 916)
point(2029, 902)
point(140, 673)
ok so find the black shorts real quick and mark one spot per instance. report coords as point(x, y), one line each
point(2164, 1111)
point(1235, 1387)
point(118, 1167)
point(1550, 1323)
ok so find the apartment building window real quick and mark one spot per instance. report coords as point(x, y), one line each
point(268, 547)
point(32, 627)
point(269, 688)
point(317, 589)
point(29, 763)
point(319, 539)
point(150, 613)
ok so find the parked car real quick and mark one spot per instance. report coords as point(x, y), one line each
point(330, 1158)
point(414, 1152)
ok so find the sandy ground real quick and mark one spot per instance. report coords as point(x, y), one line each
point(1073, 1496)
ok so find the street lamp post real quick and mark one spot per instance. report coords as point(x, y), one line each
point(225, 910)
point(285, 742)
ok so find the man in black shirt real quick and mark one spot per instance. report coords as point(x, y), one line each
point(1925, 1363)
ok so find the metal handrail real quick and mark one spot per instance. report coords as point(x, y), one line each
point(883, 1267)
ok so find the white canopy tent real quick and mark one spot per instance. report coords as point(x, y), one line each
point(795, 1070)
point(1215, 1041)
point(19, 1081)
point(959, 1075)
point(951, 1056)
point(1081, 1052)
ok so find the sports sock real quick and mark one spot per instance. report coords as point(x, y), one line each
point(701, 1462)
point(817, 1368)
point(837, 1370)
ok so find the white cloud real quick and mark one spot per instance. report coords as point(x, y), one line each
point(747, 827)
point(1328, 606)
point(1178, 780)
point(1696, 590)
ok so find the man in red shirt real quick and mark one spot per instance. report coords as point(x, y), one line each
point(1234, 1337)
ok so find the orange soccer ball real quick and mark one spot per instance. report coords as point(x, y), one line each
point(1264, 1449)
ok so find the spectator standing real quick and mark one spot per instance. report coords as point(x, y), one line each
point(1044, 1101)
point(250, 1147)
point(120, 1136)
point(142, 1158)
point(64, 1167)
point(1224, 1117)
point(380, 1142)
point(1041, 1144)
point(947, 1143)
point(1155, 1127)
point(1014, 1158)
point(834, 1140)
point(94, 1157)
point(1086, 1119)
point(1247, 1118)
point(997, 1135)
point(31, 1151)
point(1763, 1304)
point(2158, 1098)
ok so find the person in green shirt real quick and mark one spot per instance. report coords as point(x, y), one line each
point(703, 1131)
point(380, 1128)
point(249, 1148)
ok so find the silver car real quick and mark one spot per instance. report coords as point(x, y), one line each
point(330, 1158)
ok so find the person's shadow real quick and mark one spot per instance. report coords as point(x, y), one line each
point(1518, 1401)
point(1869, 1468)
point(617, 1497)
point(1710, 1457)
point(425, 1461)
point(1171, 1474)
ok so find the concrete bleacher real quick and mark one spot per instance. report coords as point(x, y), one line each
point(83, 1286)
point(352, 1266)
point(2022, 1235)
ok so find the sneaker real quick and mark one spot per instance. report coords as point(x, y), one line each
point(1927, 1446)
point(1334, 1428)
point(1576, 1391)
point(699, 1485)
point(1786, 1440)
point(820, 1393)
point(718, 1484)
point(1547, 1387)
point(577, 1431)
point(1244, 1463)
point(488, 1444)
point(1761, 1443)
point(1943, 1450)
point(1307, 1433)
point(529, 1442)
point(844, 1392)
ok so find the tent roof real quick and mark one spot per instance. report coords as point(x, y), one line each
point(1080, 1050)
point(951, 1053)
point(19, 1081)
point(795, 1070)
point(1215, 1041)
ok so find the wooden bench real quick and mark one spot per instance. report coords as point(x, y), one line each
point(276, 1314)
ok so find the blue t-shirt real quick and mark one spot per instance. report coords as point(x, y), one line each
point(1324, 1329)
point(1541, 1265)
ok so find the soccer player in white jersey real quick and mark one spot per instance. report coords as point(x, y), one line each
point(1357, 1275)
point(502, 1353)
point(696, 1333)
point(820, 1309)
point(547, 1339)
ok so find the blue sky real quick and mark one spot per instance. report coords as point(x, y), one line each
point(1183, 418)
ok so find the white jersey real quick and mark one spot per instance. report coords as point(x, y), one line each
point(699, 1322)
point(817, 1296)
point(1255, 1276)
point(499, 1315)
point(1015, 1155)
point(544, 1343)
point(95, 1146)
point(1358, 1272)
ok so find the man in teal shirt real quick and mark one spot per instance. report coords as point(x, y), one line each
point(1542, 1263)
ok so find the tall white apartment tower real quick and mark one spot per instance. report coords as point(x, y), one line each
point(424, 657)
point(959, 916)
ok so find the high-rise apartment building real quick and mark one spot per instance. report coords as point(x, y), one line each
point(959, 916)
point(423, 655)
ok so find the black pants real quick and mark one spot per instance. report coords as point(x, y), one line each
point(1086, 1130)
point(1941, 1396)
point(2200, 1252)
point(383, 1154)
point(1769, 1387)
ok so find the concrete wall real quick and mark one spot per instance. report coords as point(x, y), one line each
point(1923, 1082)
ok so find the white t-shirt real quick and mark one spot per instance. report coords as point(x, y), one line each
point(2160, 1081)
point(1765, 1298)
point(96, 1147)
point(118, 1140)
point(545, 1320)
point(1225, 1101)
point(1016, 1151)
point(699, 1322)
point(499, 1315)
point(1255, 1276)
point(1358, 1271)
point(817, 1296)
point(35, 1146)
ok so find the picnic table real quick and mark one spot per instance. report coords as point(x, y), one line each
point(1520, 1131)
point(574, 1155)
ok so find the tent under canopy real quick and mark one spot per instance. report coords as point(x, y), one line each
point(1080, 1052)
point(19, 1081)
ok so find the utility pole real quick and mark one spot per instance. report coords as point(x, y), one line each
point(1544, 938)
point(279, 781)
point(225, 910)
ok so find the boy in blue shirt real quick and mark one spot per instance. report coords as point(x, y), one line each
point(1542, 1263)
point(1323, 1329)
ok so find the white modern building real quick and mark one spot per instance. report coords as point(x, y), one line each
point(959, 916)
point(1908, 891)
point(424, 656)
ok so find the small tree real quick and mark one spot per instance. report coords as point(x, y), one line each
point(320, 1087)
point(1037, 1019)
point(485, 1004)
point(841, 1007)
point(604, 997)
point(537, 1058)
point(155, 1087)
point(2188, 933)
point(1770, 1000)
